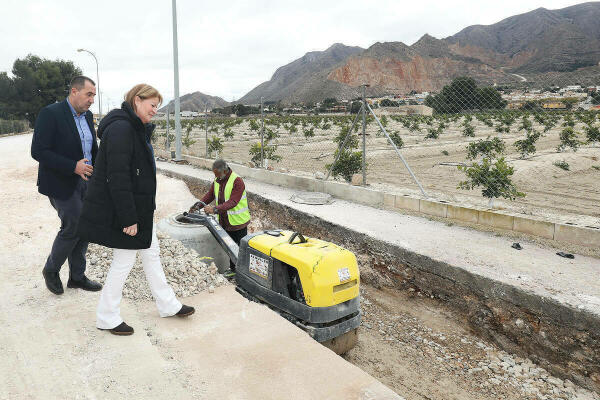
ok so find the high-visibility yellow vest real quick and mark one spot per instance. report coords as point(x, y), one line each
point(240, 214)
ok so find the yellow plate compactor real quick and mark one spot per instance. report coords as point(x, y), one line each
point(310, 282)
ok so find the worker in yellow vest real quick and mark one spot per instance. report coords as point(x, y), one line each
point(231, 203)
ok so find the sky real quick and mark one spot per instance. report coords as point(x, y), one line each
point(225, 48)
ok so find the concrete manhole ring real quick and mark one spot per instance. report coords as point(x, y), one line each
point(313, 198)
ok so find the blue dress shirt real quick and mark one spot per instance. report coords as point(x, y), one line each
point(84, 133)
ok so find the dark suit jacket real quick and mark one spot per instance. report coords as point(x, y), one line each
point(56, 145)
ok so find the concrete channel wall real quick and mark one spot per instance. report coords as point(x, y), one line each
point(563, 339)
point(569, 233)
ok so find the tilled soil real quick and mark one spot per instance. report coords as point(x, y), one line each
point(422, 351)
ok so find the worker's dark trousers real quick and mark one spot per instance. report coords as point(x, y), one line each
point(237, 237)
point(67, 245)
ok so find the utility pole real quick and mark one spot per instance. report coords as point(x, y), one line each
point(262, 134)
point(176, 78)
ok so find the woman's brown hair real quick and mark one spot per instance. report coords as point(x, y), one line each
point(143, 91)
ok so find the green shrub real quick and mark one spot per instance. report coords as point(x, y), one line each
point(254, 125)
point(13, 126)
point(228, 133)
point(493, 177)
point(215, 145)
point(592, 133)
point(351, 143)
point(349, 163)
point(269, 153)
point(489, 148)
point(527, 146)
point(568, 138)
point(562, 165)
point(469, 130)
point(396, 139)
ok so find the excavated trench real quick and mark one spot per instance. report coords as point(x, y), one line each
point(428, 337)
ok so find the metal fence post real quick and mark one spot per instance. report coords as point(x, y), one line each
point(206, 128)
point(364, 132)
point(397, 151)
point(168, 142)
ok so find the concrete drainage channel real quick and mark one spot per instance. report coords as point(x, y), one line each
point(430, 336)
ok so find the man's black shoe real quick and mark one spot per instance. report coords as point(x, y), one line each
point(85, 284)
point(185, 311)
point(121, 330)
point(53, 282)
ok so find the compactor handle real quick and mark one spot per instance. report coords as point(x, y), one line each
point(299, 235)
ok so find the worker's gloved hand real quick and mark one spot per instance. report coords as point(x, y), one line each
point(210, 209)
point(196, 207)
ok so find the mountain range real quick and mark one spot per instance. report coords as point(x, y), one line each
point(538, 43)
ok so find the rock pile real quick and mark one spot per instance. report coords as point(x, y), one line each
point(187, 272)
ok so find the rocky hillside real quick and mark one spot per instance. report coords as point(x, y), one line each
point(196, 101)
point(304, 79)
point(427, 65)
point(538, 41)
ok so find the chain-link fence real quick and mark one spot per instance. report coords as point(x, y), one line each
point(529, 149)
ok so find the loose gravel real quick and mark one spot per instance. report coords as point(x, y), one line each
point(187, 272)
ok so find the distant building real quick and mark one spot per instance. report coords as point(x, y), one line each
point(336, 109)
point(571, 88)
point(514, 105)
point(554, 105)
point(405, 110)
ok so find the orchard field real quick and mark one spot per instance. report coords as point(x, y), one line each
point(554, 156)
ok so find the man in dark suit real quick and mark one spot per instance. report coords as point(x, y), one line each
point(64, 144)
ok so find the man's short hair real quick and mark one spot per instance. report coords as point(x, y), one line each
point(78, 82)
point(220, 165)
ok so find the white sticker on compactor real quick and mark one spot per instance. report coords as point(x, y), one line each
point(259, 266)
point(344, 274)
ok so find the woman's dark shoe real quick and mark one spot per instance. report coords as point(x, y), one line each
point(185, 311)
point(122, 330)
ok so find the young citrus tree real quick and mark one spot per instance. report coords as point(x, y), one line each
point(568, 138)
point(269, 153)
point(215, 145)
point(493, 177)
point(187, 140)
point(349, 163)
point(491, 173)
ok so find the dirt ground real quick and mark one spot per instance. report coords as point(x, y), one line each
point(423, 351)
point(552, 193)
point(409, 342)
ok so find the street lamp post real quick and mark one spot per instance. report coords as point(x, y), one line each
point(97, 81)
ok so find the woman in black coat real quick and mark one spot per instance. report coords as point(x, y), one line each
point(118, 209)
